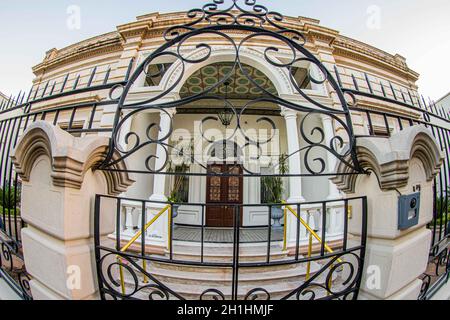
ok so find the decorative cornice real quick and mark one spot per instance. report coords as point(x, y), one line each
point(360, 51)
point(153, 24)
point(390, 158)
point(102, 44)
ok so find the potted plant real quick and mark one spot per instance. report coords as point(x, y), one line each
point(176, 195)
point(275, 190)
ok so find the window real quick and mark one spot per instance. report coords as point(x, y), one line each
point(76, 125)
point(155, 73)
point(301, 77)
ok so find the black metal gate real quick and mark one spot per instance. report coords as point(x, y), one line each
point(123, 268)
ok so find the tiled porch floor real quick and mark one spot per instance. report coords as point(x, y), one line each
point(214, 235)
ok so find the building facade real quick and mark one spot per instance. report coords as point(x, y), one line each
point(234, 140)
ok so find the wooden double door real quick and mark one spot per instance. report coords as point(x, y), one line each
point(223, 193)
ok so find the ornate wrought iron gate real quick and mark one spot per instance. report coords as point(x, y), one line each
point(123, 270)
point(220, 19)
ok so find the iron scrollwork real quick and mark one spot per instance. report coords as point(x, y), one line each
point(256, 23)
point(11, 262)
point(217, 19)
point(438, 269)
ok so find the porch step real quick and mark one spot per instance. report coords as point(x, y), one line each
point(224, 253)
point(278, 281)
point(223, 276)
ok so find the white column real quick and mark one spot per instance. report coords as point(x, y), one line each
point(125, 129)
point(328, 129)
point(336, 210)
point(159, 186)
point(295, 183)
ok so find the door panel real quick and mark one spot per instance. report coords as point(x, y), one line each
point(223, 190)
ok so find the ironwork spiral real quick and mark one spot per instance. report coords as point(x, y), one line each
point(217, 19)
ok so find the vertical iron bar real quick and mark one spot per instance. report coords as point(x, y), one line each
point(324, 228)
point(269, 234)
point(403, 96)
point(97, 244)
point(441, 187)
point(445, 133)
point(411, 98)
point(55, 120)
point(171, 232)
point(143, 234)
point(72, 117)
point(4, 166)
point(393, 90)
point(386, 122)
point(338, 76)
point(400, 125)
point(45, 89)
point(346, 218)
point(355, 83)
point(234, 266)
point(91, 78)
point(14, 143)
point(130, 66)
point(363, 244)
point(238, 224)
point(66, 78)
point(118, 226)
point(53, 89)
point(383, 89)
point(29, 94)
point(75, 85)
point(369, 119)
point(202, 253)
point(36, 93)
point(108, 72)
point(297, 240)
point(368, 83)
point(92, 117)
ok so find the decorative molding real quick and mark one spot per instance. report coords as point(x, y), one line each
point(71, 157)
point(151, 26)
point(389, 158)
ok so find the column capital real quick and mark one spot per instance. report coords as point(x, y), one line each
point(288, 113)
point(168, 112)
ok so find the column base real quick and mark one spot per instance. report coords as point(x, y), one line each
point(409, 293)
point(299, 199)
point(158, 198)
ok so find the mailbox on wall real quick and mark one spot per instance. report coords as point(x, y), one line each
point(408, 211)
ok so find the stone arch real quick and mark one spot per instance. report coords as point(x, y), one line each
point(70, 157)
point(390, 159)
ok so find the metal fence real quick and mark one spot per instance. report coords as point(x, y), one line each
point(80, 119)
point(322, 273)
point(77, 119)
point(437, 121)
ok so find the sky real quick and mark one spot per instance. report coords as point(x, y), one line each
point(419, 30)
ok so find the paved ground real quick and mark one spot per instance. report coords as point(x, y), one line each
point(213, 235)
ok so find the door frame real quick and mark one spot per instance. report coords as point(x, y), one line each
point(241, 191)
